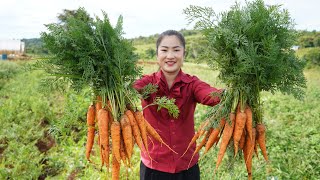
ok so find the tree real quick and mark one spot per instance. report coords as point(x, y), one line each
point(313, 57)
point(151, 53)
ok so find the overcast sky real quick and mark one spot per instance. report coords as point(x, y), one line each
point(26, 18)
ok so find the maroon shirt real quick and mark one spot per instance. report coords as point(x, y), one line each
point(177, 133)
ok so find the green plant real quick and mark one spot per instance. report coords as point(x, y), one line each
point(23, 111)
point(88, 52)
point(151, 53)
point(313, 57)
point(7, 71)
point(251, 47)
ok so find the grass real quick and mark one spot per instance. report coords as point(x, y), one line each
point(30, 116)
point(301, 52)
point(141, 48)
point(202, 71)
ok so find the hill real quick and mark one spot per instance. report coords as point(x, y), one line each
point(307, 41)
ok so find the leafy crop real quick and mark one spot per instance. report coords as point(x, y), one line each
point(7, 71)
point(89, 52)
point(250, 46)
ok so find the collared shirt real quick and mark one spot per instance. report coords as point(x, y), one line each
point(177, 133)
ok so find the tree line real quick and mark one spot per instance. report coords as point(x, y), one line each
point(308, 39)
point(196, 45)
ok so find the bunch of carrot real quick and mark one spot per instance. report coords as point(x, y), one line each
point(237, 130)
point(117, 137)
point(248, 66)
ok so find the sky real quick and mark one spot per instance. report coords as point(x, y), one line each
point(27, 18)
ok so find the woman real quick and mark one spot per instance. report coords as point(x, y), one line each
point(187, 91)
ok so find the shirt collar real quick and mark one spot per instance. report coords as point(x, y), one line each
point(180, 77)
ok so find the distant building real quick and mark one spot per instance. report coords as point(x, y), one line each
point(8, 46)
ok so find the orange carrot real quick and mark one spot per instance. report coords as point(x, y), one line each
point(127, 135)
point(115, 168)
point(213, 138)
point(248, 112)
point(196, 136)
point(143, 129)
point(261, 132)
point(103, 121)
point(201, 144)
point(153, 133)
point(232, 116)
point(123, 153)
point(109, 108)
point(91, 115)
point(135, 129)
point(90, 140)
point(227, 134)
point(141, 121)
point(243, 139)
point(240, 122)
point(98, 104)
point(91, 130)
point(115, 136)
point(151, 141)
point(248, 152)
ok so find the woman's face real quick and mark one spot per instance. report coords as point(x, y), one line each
point(170, 55)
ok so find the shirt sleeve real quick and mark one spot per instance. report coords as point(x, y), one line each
point(203, 93)
point(140, 83)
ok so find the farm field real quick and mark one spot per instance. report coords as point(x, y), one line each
point(43, 133)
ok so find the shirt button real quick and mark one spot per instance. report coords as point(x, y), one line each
point(174, 146)
point(172, 121)
point(173, 132)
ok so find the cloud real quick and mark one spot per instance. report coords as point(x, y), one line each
point(26, 19)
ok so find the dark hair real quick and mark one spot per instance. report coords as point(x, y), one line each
point(171, 33)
